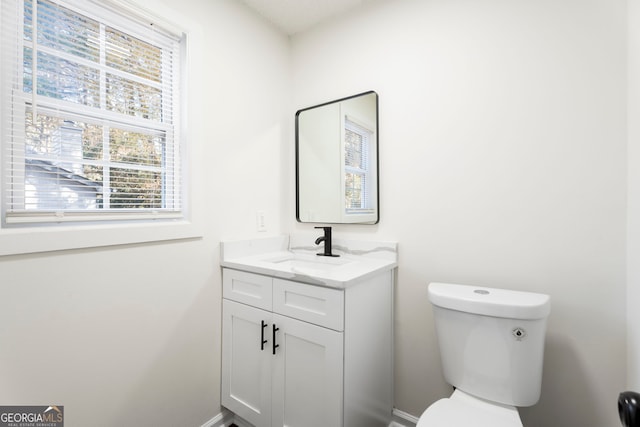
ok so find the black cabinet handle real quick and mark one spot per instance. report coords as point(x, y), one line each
point(262, 340)
point(275, 329)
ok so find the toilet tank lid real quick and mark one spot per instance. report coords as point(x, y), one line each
point(490, 301)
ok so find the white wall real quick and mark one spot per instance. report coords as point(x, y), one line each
point(130, 335)
point(503, 163)
point(320, 163)
point(633, 266)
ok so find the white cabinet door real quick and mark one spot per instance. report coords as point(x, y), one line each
point(307, 375)
point(246, 368)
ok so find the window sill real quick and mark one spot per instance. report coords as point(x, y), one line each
point(47, 239)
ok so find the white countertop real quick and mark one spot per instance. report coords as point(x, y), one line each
point(288, 259)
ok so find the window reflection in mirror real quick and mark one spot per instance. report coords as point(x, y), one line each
point(337, 161)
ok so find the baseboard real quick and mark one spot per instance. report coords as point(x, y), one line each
point(223, 419)
point(226, 418)
point(403, 419)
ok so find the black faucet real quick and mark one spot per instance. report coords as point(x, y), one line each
point(327, 242)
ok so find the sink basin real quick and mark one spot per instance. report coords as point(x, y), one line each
point(297, 261)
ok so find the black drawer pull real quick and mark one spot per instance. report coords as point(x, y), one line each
point(262, 340)
point(275, 329)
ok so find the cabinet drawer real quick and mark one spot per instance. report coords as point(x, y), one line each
point(247, 288)
point(313, 304)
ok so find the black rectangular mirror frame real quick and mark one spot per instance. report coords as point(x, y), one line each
point(377, 157)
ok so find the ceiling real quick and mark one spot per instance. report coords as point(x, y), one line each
point(294, 16)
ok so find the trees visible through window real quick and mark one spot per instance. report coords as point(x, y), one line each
point(93, 113)
point(357, 167)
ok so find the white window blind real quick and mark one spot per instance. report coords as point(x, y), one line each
point(357, 168)
point(90, 114)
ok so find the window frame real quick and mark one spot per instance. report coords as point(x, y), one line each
point(15, 210)
point(350, 125)
point(369, 212)
point(116, 229)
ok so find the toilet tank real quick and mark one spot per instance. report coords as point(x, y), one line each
point(491, 340)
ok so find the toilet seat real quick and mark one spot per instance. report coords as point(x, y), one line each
point(464, 410)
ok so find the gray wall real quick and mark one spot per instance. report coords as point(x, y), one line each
point(633, 212)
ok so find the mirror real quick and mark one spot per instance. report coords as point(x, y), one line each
point(337, 161)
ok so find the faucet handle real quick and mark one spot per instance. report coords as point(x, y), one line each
point(326, 238)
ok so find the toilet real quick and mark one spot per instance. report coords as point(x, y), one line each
point(491, 345)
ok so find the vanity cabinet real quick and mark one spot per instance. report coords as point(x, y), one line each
point(301, 355)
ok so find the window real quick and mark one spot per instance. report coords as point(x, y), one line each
point(91, 123)
point(357, 168)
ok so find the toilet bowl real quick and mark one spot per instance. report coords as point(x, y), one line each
point(462, 409)
point(491, 344)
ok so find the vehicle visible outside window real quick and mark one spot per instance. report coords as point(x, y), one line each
point(91, 129)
